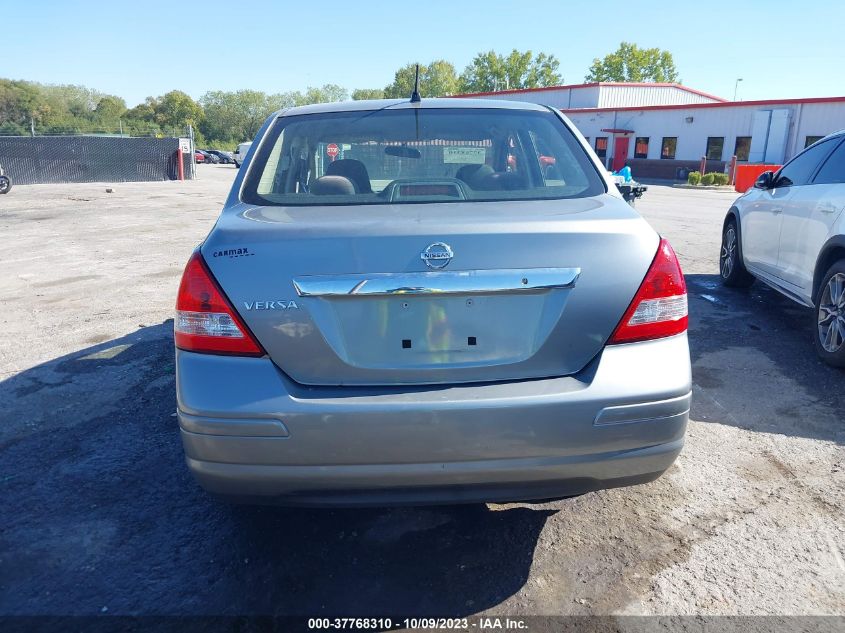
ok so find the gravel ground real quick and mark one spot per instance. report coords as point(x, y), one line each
point(99, 512)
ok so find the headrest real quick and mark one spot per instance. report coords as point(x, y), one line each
point(473, 174)
point(500, 180)
point(353, 169)
point(332, 186)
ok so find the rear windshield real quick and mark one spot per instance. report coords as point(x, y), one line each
point(414, 155)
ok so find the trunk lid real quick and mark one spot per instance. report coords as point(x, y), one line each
point(345, 295)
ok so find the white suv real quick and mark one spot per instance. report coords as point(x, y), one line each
point(789, 232)
point(240, 153)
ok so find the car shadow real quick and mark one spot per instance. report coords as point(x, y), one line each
point(754, 365)
point(101, 515)
point(99, 511)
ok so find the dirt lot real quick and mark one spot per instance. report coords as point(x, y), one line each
point(100, 514)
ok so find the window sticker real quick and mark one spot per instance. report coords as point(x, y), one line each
point(464, 155)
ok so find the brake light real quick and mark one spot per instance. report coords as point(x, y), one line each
point(205, 320)
point(660, 306)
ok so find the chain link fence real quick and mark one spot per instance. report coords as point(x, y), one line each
point(59, 159)
point(117, 128)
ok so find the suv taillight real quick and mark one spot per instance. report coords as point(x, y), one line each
point(660, 306)
point(205, 320)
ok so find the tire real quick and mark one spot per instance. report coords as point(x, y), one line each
point(731, 269)
point(5, 184)
point(829, 322)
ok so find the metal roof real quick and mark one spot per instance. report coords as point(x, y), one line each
point(695, 106)
point(596, 84)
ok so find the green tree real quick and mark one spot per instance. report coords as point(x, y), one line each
point(632, 63)
point(19, 100)
point(437, 79)
point(491, 71)
point(361, 94)
point(67, 108)
point(145, 112)
point(283, 100)
point(7, 128)
point(233, 116)
point(110, 108)
point(324, 94)
point(177, 109)
point(141, 120)
point(64, 100)
point(54, 108)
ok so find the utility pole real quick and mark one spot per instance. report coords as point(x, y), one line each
point(736, 85)
point(32, 126)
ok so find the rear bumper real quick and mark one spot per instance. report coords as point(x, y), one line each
point(251, 433)
point(456, 482)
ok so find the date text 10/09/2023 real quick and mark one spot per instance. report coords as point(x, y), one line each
point(483, 623)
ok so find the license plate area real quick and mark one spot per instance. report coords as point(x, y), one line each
point(426, 331)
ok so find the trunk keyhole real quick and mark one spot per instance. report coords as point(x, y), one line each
point(406, 343)
point(471, 340)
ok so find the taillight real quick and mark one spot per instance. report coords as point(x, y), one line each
point(205, 320)
point(660, 306)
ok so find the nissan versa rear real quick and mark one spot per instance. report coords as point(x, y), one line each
point(434, 302)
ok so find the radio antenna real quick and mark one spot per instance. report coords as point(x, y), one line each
point(415, 95)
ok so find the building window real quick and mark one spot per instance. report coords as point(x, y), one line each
point(601, 146)
point(715, 145)
point(812, 139)
point(742, 147)
point(667, 149)
point(641, 147)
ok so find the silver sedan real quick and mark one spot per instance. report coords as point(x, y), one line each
point(434, 302)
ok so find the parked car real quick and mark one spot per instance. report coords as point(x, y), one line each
point(420, 322)
point(224, 158)
point(209, 156)
point(788, 231)
point(215, 158)
point(199, 156)
point(5, 182)
point(240, 153)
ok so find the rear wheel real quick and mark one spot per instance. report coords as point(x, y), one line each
point(830, 316)
point(731, 269)
point(5, 184)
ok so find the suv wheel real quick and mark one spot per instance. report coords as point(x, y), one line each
point(830, 316)
point(731, 269)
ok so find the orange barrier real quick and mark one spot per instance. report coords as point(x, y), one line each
point(747, 174)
